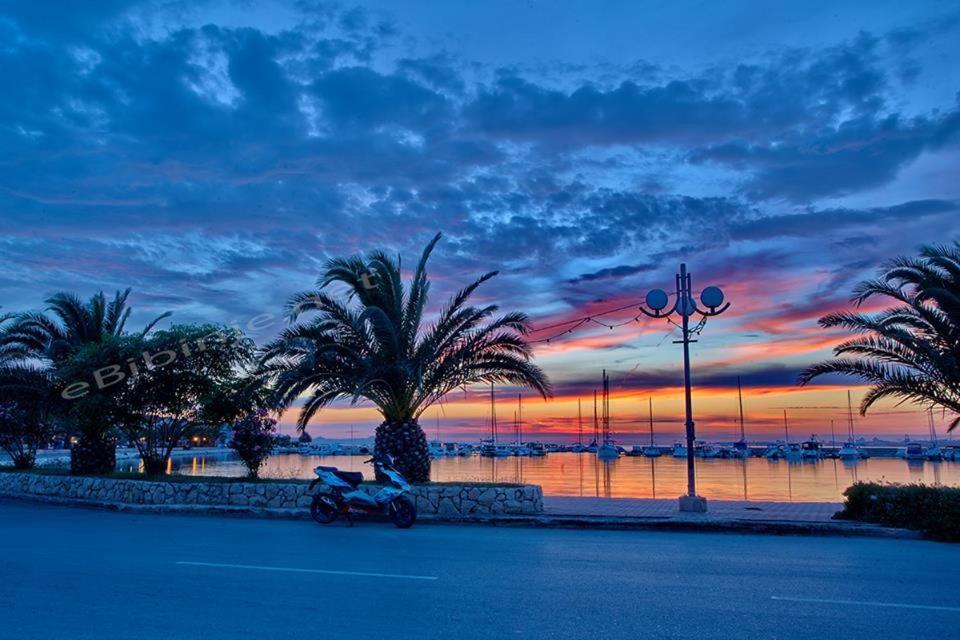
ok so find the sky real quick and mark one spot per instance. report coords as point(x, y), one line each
point(213, 154)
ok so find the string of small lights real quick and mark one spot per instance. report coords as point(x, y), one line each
point(577, 323)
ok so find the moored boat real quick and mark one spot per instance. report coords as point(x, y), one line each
point(706, 451)
point(851, 451)
point(913, 451)
point(812, 449)
point(651, 450)
point(537, 449)
point(739, 449)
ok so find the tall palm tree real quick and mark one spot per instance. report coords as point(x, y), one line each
point(372, 344)
point(910, 351)
point(68, 326)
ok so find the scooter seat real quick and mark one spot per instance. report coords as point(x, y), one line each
point(353, 478)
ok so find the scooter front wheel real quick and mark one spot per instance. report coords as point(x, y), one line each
point(403, 513)
point(324, 509)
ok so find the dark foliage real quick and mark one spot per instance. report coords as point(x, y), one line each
point(933, 510)
point(254, 437)
point(910, 351)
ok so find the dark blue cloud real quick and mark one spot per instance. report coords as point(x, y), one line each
point(856, 155)
point(214, 167)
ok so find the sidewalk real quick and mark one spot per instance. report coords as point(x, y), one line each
point(716, 509)
point(779, 518)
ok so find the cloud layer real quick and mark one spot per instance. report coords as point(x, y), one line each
point(213, 158)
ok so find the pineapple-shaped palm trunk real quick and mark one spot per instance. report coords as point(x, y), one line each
point(406, 443)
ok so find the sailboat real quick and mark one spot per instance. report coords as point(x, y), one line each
point(490, 448)
point(593, 446)
point(740, 448)
point(934, 453)
point(651, 451)
point(793, 451)
point(607, 449)
point(579, 448)
point(435, 448)
point(850, 451)
point(833, 443)
point(812, 448)
point(779, 450)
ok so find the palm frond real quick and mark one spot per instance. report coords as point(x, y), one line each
point(911, 351)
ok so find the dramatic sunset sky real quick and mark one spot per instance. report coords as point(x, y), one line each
point(212, 155)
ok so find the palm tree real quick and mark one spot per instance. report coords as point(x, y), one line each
point(69, 326)
point(910, 351)
point(371, 344)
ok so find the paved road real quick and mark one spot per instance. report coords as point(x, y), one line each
point(75, 573)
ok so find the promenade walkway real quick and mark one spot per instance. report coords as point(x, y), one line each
point(642, 508)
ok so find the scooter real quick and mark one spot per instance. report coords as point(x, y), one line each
point(342, 495)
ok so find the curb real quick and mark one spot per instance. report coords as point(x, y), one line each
point(768, 527)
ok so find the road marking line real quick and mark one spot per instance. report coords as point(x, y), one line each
point(866, 603)
point(296, 570)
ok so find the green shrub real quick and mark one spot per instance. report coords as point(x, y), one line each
point(933, 510)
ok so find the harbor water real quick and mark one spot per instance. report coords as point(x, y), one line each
point(573, 474)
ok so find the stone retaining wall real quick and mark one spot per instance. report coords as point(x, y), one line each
point(448, 502)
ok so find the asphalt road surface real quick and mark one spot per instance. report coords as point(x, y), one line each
point(76, 573)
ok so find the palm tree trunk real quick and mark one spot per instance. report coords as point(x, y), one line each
point(93, 455)
point(407, 443)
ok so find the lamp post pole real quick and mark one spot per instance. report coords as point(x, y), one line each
point(684, 289)
point(712, 300)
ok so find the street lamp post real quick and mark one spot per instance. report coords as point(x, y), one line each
point(685, 306)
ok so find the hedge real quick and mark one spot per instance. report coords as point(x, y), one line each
point(933, 510)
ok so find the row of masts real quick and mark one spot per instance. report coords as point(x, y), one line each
point(494, 427)
point(602, 431)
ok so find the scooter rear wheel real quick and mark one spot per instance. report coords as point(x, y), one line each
point(403, 513)
point(324, 508)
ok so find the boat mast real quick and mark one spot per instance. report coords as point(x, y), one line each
point(493, 416)
point(579, 423)
point(743, 435)
point(519, 419)
point(650, 401)
point(853, 437)
point(786, 429)
point(933, 428)
point(596, 425)
point(606, 408)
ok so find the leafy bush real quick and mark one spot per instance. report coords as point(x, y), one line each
point(933, 510)
point(253, 439)
point(29, 402)
point(21, 434)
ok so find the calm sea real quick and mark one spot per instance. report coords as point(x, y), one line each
point(573, 474)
